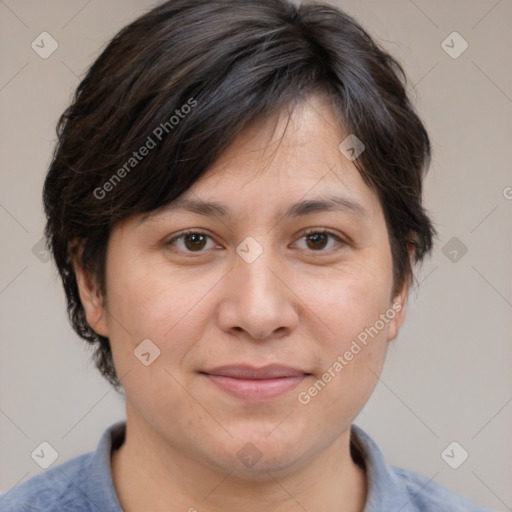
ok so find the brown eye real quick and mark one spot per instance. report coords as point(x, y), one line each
point(192, 241)
point(317, 240)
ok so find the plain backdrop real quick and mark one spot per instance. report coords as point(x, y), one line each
point(448, 374)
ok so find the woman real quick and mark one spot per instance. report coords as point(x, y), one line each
point(235, 209)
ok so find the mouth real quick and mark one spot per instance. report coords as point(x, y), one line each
point(256, 384)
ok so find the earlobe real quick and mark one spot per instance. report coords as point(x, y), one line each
point(399, 303)
point(399, 306)
point(90, 295)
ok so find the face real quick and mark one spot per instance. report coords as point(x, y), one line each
point(309, 292)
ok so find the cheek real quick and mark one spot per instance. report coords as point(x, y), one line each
point(145, 303)
point(152, 302)
point(348, 309)
point(351, 299)
point(351, 359)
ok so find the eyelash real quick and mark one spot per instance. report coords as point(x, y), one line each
point(310, 231)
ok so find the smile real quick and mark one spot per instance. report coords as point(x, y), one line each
point(255, 384)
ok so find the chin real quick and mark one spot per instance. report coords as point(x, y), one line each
point(265, 468)
point(255, 456)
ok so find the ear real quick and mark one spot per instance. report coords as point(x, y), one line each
point(399, 303)
point(90, 294)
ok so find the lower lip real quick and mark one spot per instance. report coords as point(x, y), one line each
point(256, 390)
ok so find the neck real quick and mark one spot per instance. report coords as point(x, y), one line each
point(149, 474)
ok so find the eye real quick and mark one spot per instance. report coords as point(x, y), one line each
point(316, 239)
point(193, 241)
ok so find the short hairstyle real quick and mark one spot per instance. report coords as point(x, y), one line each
point(182, 81)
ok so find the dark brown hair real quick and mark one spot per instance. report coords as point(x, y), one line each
point(183, 81)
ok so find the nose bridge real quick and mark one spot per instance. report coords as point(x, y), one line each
point(255, 268)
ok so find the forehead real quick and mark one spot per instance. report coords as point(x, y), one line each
point(289, 162)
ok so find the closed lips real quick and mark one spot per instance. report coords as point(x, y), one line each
point(252, 373)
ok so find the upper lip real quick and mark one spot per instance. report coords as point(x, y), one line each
point(243, 371)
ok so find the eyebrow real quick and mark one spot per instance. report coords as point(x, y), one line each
point(305, 207)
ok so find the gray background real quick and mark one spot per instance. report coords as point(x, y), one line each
point(447, 376)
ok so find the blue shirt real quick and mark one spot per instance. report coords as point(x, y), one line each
point(84, 483)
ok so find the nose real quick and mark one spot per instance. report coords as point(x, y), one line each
point(257, 298)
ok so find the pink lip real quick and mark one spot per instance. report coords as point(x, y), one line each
point(256, 384)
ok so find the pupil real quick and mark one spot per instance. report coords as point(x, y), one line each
point(315, 237)
point(194, 238)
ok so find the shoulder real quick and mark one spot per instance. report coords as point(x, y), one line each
point(427, 495)
point(57, 488)
point(82, 484)
point(393, 488)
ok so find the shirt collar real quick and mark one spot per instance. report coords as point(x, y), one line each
point(386, 490)
point(100, 482)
